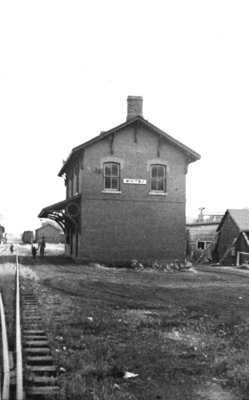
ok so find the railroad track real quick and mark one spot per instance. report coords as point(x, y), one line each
point(36, 373)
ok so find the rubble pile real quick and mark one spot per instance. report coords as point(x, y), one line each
point(175, 266)
point(166, 267)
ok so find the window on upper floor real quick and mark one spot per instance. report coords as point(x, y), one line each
point(111, 176)
point(158, 178)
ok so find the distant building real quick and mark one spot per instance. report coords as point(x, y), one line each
point(210, 218)
point(125, 194)
point(202, 235)
point(2, 235)
point(51, 233)
point(233, 237)
point(27, 237)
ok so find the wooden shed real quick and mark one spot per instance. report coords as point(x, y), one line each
point(232, 245)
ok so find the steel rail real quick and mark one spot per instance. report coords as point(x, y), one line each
point(19, 369)
point(5, 349)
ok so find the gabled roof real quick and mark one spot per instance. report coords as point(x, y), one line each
point(50, 225)
point(201, 224)
point(240, 217)
point(191, 154)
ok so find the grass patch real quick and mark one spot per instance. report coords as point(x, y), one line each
point(7, 288)
point(176, 332)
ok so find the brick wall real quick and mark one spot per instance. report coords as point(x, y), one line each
point(135, 159)
point(115, 230)
point(133, 223)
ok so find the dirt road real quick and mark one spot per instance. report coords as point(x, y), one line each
point(178, 333)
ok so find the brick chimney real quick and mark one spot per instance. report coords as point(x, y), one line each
point(134, 107)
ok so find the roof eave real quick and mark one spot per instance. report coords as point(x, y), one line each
point(102, 135)
point(57, 206)
point(191, 154)
point(223, 219)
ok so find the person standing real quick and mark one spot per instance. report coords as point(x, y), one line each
point(34, 250)
point(41, 246)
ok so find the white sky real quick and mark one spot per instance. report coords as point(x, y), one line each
point(67, 67)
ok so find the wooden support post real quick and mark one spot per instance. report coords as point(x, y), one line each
point(237, 258)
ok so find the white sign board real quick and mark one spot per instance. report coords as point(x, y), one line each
point(135, 181)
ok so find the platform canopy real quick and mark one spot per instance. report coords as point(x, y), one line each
point(66, 213)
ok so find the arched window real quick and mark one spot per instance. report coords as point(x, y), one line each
point(111, 176)
point(158, 178)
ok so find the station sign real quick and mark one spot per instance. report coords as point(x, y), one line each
point(135, 181)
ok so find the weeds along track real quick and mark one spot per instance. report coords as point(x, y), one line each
point(35, 374)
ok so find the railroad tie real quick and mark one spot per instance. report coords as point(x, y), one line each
point(40, 376)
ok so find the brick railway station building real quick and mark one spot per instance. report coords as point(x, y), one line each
point(125, 194)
